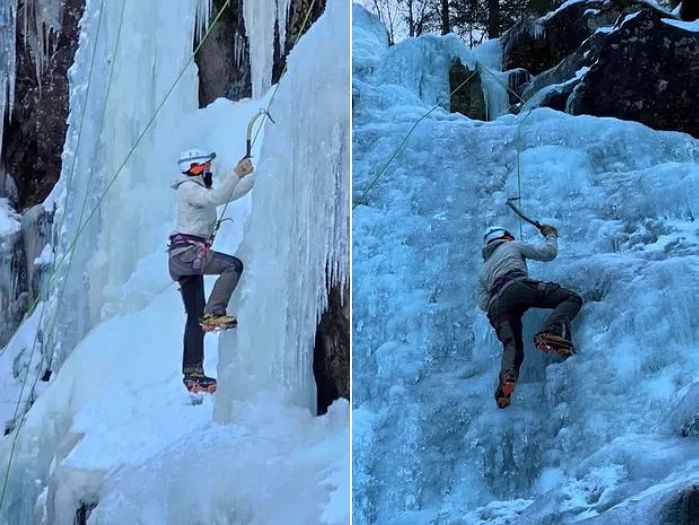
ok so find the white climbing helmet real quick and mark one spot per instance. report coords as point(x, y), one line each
point(494, 232)
point(194, 156)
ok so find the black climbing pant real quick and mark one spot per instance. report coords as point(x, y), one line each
point(506, 311)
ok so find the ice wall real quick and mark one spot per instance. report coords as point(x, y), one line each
point(97, 244)
point(296, 241)
point(583, 439)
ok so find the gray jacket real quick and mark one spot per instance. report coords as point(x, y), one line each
point(502, 256)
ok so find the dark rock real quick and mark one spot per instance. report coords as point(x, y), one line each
point(224, 58)
point(538, 45)
point(689, 10)
point(298, 10)
point(331, 355)
point(468, 99)
point(557, 97)
point(683, 509)
point(34, 136)
point(647, 71)
point(584, 56)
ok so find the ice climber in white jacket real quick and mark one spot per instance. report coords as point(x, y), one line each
point(191, 257)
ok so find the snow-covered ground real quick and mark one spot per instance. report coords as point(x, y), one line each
point(115, 427)
point(596, 438)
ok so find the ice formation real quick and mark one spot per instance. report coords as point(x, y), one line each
point(259, 26)
point(274, 342)
point(596, 437)
point(113, 427)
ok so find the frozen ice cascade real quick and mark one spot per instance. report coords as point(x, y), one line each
point(114, 428)
point(594, 439)
point(260, 25)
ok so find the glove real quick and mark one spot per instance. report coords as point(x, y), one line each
point(547, 229)
point(244, 168)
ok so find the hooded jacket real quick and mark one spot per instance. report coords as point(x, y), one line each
point(502, 256)
point(196, 204)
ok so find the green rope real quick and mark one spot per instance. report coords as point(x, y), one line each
point(404, 142)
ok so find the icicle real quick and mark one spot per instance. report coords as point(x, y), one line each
point(259, 26)
point(283, 19)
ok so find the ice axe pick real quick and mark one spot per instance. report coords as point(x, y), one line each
point(251, 126)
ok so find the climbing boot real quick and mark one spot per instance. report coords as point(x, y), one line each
point(218, 322)
point(195, 382)
point(554, 343)
point(508, 381)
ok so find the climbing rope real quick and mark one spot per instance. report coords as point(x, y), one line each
point(265, 112)
point(81, 227)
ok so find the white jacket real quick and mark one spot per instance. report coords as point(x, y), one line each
point(196, 204)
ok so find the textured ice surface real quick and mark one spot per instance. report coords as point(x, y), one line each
point(582, 438)
point(297, 240)
point(114, 424)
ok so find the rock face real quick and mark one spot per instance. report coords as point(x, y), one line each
point(647, 71)
point(224, 58)
point(469, 100)
point(331, 355)
point(34, 136)
point(617, 58)
point(298, 9)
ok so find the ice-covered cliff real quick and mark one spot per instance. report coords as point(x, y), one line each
point(112, 432)
point(594, 439)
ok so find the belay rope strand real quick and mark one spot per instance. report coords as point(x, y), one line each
point(81, 227)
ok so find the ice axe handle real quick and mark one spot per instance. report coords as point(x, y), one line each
point(514, 208)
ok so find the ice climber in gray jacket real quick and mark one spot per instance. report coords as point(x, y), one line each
point(191, 256)
point(505, 293)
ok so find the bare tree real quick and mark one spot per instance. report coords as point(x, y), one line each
point(446, 28)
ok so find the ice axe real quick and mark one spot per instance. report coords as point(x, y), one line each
point(251, 126)
point(510, 203)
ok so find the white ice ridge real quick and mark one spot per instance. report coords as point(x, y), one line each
point(596, 436)
point(296, 243)
point(260, 19)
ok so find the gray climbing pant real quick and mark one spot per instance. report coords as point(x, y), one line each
point(195, 261)
point(506, 311)
point(188, 266)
